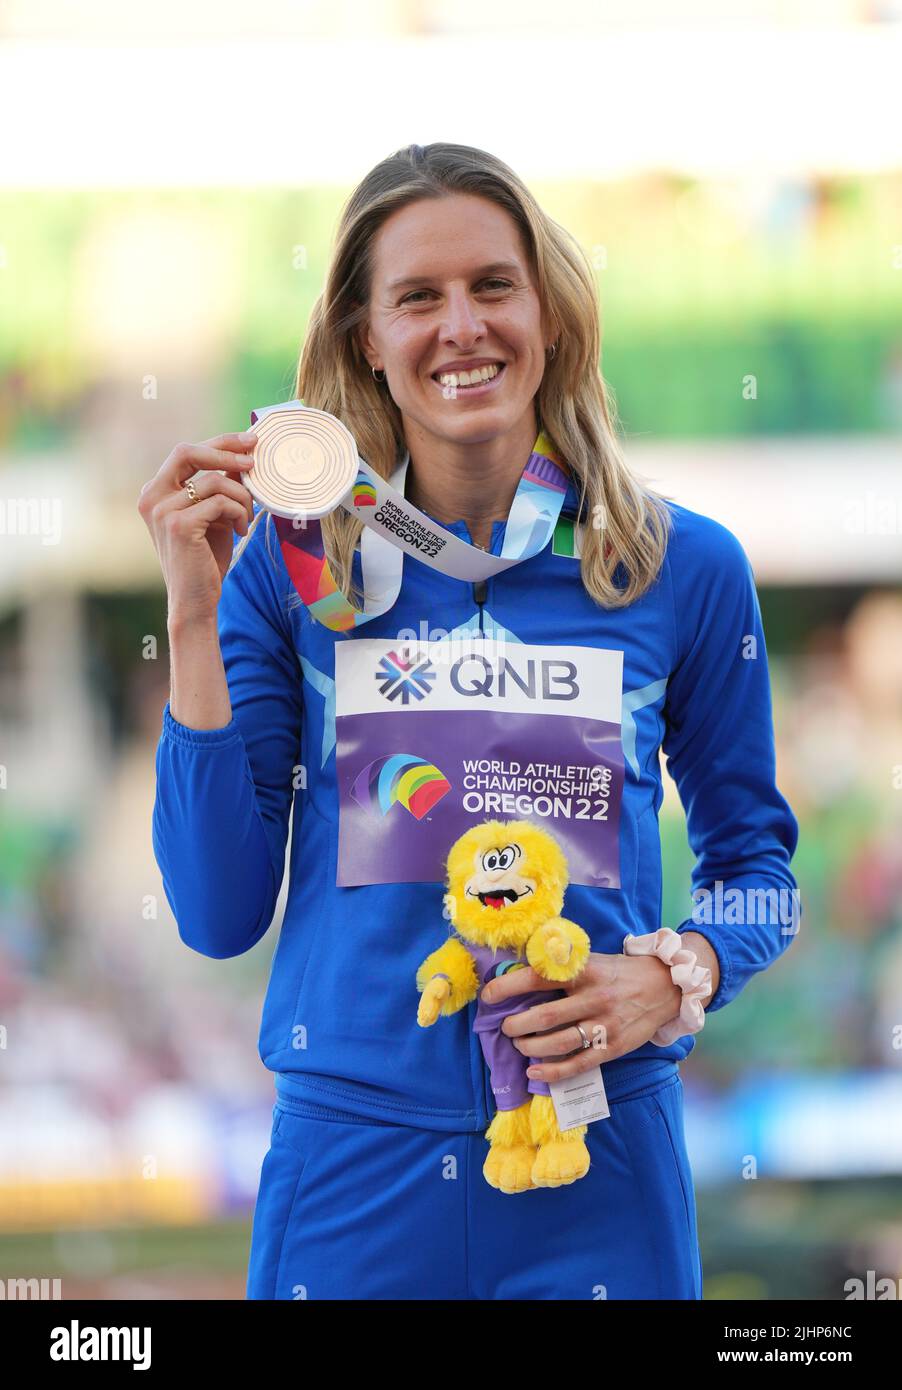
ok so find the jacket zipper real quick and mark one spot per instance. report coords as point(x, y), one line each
point(480, 590)
point(479, 594)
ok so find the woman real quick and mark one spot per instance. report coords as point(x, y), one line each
point(373, 1186)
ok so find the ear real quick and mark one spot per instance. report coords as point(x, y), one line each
point(364, 341)
point(551, 330)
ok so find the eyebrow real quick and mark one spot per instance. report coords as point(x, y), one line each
point(491, 269)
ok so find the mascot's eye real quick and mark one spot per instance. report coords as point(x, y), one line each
point(498, 859)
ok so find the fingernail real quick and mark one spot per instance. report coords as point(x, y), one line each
point(247, 435)
point(535, 1072)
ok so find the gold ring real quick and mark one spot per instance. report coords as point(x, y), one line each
point(191, 490)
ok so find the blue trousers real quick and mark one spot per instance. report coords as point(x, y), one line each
point(352, 1208)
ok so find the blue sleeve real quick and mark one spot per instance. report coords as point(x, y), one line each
point(223, 796)
point(719, 743)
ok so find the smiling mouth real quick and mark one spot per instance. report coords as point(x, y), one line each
point(498, 900)
point(462, 382)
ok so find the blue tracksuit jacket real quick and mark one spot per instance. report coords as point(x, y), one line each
point(339, 1020)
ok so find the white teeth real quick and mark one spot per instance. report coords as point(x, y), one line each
point(478, 374)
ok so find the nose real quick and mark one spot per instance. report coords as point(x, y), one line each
point(462, 324)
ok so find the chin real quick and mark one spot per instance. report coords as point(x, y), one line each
point(474, 427)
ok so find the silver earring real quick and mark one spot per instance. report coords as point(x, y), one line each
point(375, 377)
point(552, 352)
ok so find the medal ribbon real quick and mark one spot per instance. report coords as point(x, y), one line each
point(395, 526)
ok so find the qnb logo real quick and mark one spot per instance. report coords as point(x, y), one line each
point(548, 679)
point(77, 1343)
point(404, 678)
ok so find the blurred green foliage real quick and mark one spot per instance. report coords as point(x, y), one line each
point(699, 290)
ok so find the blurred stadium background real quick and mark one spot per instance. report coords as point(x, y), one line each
point(734, 172)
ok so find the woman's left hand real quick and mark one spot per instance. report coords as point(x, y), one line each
point(621, 1001)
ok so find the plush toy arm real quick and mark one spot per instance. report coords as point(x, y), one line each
point(455, 986)
point(558, 950)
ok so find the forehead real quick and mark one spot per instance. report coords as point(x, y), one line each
point(512, 845)
point(451, 235)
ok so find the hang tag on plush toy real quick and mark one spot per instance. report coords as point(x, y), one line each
point(579, 1100)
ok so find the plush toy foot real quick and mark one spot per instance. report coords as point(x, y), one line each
point(508, 1164)
point(559, 1163)
point(510, 1170)
point(562, 1156)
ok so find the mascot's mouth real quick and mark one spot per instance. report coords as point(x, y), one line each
point(498, 899)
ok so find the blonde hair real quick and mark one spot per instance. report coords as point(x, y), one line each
point(629, 522)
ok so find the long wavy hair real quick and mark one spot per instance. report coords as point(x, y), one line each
point(626, 524)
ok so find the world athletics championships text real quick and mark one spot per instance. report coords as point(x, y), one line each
point(393, 518)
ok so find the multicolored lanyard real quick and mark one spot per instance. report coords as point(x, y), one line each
point(395, 527)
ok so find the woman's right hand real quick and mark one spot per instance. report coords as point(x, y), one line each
point(194, 540)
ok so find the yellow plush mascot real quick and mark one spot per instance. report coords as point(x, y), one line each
point(506, 882)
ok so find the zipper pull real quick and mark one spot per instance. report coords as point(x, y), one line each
point(479, 594)
point(480, 591)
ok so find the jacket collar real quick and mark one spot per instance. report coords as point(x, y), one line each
point(398, 481)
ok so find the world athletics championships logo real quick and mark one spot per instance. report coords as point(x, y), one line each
point(364, 494)
point(402, 777)
point(404, 678)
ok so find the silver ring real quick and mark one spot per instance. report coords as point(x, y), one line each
point(191, 490)
point(582, 1033)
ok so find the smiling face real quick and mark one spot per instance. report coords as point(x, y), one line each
point(505, 879)
point(452, 294)
point(498, 882)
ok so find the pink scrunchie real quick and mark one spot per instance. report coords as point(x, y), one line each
point(694, 980)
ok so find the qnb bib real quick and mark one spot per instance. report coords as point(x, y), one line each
point(306, 464)
point(435, 737)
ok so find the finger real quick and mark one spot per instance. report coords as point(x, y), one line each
point(207, 485)
point(183, 520)
point(561, 1043)
point(187, 459)
point(516, 982)
point(573, 1066)
point(565, 1041)
point(543, 1018)
point(240, 443)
